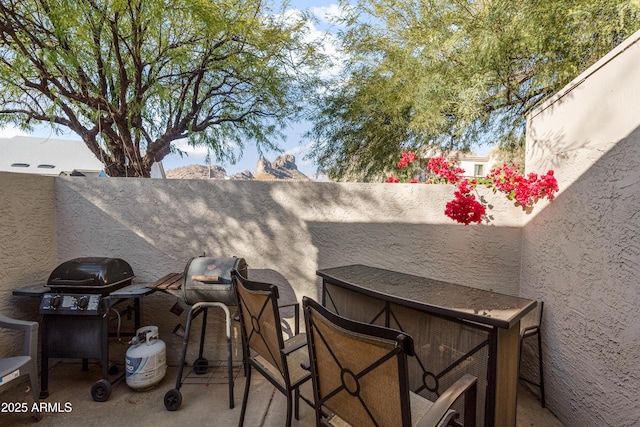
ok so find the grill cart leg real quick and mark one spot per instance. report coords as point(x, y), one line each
point(193, 312)
point(44, 362)
point(229, 355)
point(173, 398)
point(200, 365)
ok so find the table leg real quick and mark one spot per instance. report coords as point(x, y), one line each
point(507, 376)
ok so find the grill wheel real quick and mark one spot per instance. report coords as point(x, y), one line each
point(173, 399)
point(101, 390)
point(200, 366)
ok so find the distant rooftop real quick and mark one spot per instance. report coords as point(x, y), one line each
point(50, 156)
point(46, 156)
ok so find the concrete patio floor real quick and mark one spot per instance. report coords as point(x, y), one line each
point(204, 402)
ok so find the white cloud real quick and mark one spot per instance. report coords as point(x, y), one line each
point(42, 130)
point(300, 151)
point(184, 146)
point(10, 132)
point(328, 14)
point(329, 47)
point(321, 32)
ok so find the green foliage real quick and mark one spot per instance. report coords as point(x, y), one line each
point(133, 76)
point(452, 73)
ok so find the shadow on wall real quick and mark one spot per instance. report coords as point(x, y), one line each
point(589, 113)
point(294, 228)
point(581, 255)
point(452, 253)
point(157, 226)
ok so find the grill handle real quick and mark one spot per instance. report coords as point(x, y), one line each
point(207, 279)
point(78, 282)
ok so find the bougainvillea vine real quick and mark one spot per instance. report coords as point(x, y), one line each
point(465, 208)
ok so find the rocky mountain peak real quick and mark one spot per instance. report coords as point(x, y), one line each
point(283, 167)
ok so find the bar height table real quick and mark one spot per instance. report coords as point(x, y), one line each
point(456, 329)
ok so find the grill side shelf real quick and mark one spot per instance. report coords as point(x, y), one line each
point(170, 281)
point(31, 291)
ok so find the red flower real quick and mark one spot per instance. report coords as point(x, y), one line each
point(464, 208)
point(526, 190)
point(442, 168)
point(407, 158)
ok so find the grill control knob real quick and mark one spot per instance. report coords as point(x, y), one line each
point(55, 301)
point(82, 302)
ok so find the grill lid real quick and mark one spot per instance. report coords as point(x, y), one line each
point(91, 273)
point(209, 279)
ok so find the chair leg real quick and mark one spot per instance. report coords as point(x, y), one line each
point(33, 381)
point(318, 409)
point(289, 405)
point(297, 403)
point(247, 371)
point(542, 401)
point(470, 403)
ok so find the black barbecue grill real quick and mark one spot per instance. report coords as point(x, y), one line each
point(91, 275)
point(75, 306)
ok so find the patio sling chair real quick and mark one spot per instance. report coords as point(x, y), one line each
point(529, 327)
point(360, 376)
point(24, 364)
point(264, 347)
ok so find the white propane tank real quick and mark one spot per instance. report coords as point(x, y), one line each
point(146, 359)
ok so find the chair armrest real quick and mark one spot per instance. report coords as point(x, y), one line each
point(292, 304)
point(529, 330)
point(295, 343)
point(23, 325)
point(440, 407)
point(30, 330)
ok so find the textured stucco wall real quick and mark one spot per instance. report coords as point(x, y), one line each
point(294, 228)
point(27, 244)
point(581, 254)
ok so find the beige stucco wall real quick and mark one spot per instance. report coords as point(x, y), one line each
point(27, 244)
point(581, 254)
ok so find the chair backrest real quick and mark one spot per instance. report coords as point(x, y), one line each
point(260, 319)
point(359, 370)
point(533, 319)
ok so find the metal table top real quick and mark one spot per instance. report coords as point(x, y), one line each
point(434, 296)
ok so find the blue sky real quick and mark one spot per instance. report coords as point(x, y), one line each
point(293, 144)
